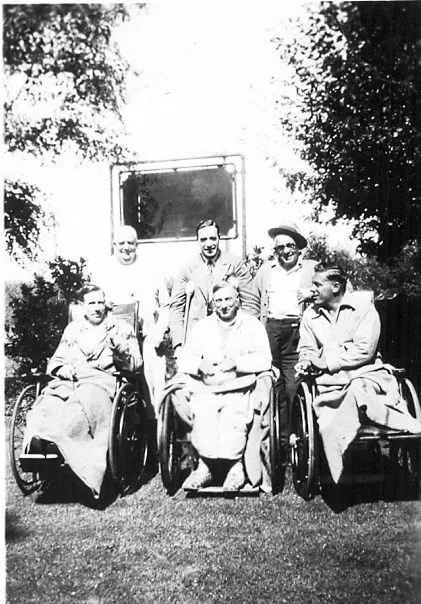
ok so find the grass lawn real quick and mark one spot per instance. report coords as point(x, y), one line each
point(149, 547)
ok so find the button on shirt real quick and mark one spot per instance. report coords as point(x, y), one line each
point(282, 292)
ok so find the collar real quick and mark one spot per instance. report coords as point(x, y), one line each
point(275, 264)
point(210, 260)
point(348, 301)
point(237, 320)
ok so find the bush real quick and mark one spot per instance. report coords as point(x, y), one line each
point(39, 313)
point(401, 275)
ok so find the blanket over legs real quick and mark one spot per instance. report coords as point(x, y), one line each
point(249, 400)
point(76, 417)
point(372, 387)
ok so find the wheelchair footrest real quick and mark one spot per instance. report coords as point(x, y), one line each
point(218, 491)
point(36, 462)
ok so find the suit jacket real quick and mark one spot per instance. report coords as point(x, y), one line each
point(196, 271)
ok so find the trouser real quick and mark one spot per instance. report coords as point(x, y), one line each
point(283, 337)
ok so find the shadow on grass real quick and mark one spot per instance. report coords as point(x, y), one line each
point(13, 532)
point(66, 487)
point(369, 479)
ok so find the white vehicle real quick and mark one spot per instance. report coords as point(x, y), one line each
point(165, 200)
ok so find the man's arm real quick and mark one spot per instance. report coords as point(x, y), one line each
point(124, 346)
point(259, 358)
point(307, 345)
point(191, 356)
point(59, 365)
point(162, 301)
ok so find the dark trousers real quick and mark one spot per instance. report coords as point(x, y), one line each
point(283, 338)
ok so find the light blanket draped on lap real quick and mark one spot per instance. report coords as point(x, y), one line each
point(76, 417)
point(373, 387)
point(227, 418)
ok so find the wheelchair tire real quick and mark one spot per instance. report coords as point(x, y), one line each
point(277, 479)
point(28, 482)
point(170, 448)
point(303, 440)
point(128, 439)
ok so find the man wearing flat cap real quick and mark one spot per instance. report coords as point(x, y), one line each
point(283, 286)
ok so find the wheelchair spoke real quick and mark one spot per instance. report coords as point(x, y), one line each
point(28, 482)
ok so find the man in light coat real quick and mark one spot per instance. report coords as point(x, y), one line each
point(339, 338)
point(223, 354)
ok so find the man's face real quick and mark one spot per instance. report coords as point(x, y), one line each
point(225, 301)
point(324, 290)
point(208, 239)
point(125, 247)
point(94, 307)
point(286, 251)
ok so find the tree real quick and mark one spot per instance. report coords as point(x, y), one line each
point(23, 218)
point(64, 88)
point(39, 313)
point(358, 78)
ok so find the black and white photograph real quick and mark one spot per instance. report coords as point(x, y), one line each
point(212, 302)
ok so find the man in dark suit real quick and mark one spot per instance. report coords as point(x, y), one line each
point(192, 290)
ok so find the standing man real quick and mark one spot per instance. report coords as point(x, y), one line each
point(283, 286)
point(209, 266)
point(125, 279)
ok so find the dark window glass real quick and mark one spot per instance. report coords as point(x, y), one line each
point(168, 205)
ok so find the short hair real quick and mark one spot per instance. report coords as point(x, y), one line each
point(207, 223)
point(124, 230)
point(228, 282)
point(87, 288)
point(333, 273)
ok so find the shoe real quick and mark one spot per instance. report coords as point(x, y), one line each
point(235, 479)
point(199, 478)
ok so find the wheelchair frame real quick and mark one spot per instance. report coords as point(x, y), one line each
point(309, 467)
point(128, 440)
point(177, 456)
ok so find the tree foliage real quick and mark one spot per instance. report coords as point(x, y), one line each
point(65, 78)
point(40, 313)
point(358, 77)
point(23, 218)
point(65, 82)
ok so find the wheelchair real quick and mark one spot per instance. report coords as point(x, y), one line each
point(129, 437)
point(177, 456)
point(310, 472)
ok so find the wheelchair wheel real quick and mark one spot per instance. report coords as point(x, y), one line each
point(304, 444)
point(275, 444)
point(28, 482)
point(170, 448)
point(128, 439)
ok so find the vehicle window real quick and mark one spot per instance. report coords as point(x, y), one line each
point(169, 205)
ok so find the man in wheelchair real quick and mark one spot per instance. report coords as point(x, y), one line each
point(73, 412)
point(338, 346)
point(222, 355)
